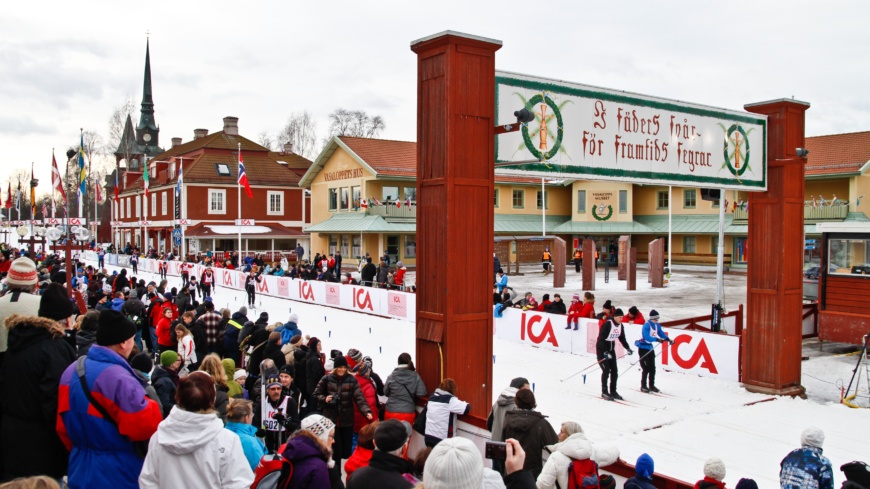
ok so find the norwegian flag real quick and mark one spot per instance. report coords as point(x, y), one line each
point(243, 178)
point(364, 204)
point(376, 202)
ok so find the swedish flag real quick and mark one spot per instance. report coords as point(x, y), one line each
point(83, 187)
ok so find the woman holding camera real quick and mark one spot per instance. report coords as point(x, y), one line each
point(337, 393)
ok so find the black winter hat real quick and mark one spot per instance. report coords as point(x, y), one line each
point(114, 328)
point(339, 361)
point(264, 315)
point(607, 305)
point(618, 312)
point(633, 310)
point(519, 382)
point(142, 362)
point(392, 434)
point(287, 369)
point(55, 303)
point(654, 314)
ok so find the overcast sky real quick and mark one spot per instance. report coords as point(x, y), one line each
point(65, 65)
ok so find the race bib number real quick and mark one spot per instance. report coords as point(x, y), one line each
point(615, 330)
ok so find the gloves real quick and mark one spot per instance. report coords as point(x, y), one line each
point(608, 356)
point(630, 352)
point(670, 341)
point(279, 418)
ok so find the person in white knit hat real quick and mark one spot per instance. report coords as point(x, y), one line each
point(18, 298)
point(806, 466)
point(456, 463)
point(310, 452)
point(714, 475)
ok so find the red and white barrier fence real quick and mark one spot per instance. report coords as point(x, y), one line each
point(694, 352)
point(382, 302)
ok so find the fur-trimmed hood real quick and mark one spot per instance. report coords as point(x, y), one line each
point(20, 321)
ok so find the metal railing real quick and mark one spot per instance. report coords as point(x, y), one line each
point(811, 214)
point(391, 211)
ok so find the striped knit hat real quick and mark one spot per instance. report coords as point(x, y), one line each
point(22, 272)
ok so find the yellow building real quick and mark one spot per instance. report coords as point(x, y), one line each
point(350, 171)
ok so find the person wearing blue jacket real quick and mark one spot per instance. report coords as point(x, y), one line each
point(290, 329)
point(502, 280)
point(239, 418)
point(652, 333)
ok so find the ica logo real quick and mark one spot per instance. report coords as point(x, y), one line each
point(546, 334)
point(228, 278)
point(702, 354)
point(305, 291)
point(263, 286)
point(361, 302)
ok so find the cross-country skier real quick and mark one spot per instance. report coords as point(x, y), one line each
point(652, 333)
point(611, 331)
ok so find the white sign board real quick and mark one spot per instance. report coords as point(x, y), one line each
point(144, 223)
point(182, 222)
point(591, 133)
point(78, 221)
point(245, 222)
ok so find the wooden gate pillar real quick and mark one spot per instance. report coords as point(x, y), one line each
point(588, 264)
point(455, 175)
point(772, 338)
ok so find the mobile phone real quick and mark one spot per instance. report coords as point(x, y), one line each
point(496, 450)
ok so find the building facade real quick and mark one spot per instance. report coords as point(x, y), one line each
point(351, 170)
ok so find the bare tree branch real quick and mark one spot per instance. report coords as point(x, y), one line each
point(355, 123)
point(301, 131)
point(265, 140)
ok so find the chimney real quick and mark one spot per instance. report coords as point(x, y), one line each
point(231, 126)
point(288, 147)
point(200, 133)
point(176, 142)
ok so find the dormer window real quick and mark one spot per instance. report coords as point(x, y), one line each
point(223, 169)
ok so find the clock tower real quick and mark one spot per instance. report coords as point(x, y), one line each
point(147, 132)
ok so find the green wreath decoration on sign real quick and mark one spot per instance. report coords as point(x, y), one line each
point(737, 172)
point(528, 140)
point(608, 216)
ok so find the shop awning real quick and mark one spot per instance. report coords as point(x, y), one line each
point(358, 222)
point(223, 231)
point(526, 223)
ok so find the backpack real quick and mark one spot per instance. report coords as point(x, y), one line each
point(583, 474)
point(270, 472)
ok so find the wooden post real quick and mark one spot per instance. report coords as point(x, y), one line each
point(656, 265)
point(559, 262)
point(588, 264)
point(455, 175)
point(772, 338)
point(631, 267)
point(624, 245)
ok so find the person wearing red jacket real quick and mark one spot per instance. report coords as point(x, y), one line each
point(399, 277)
point(545, 301)
point(574, 311)
point(588, 310)
point(165, 336)
point(364, 448)
point(363, 377)
point(634, 316)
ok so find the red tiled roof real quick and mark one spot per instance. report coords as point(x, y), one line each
point(217, 140)
point(837, 153)
point(399, 158)
point(391, 158)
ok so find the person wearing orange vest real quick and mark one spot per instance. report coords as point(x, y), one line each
point(578, 256)
point(546, 260)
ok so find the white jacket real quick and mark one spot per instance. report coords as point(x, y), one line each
point(194, 450)
point(186, 351)
point(576, 447)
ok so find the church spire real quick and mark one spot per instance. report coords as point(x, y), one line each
point(147, 131)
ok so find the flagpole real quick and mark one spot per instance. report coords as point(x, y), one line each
point(239, 192)
point(32, 207)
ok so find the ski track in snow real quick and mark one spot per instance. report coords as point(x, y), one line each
point(708, 418)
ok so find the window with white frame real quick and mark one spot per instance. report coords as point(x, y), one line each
point(129, 215)
point(163, 203)
point(153, 204)
point(275, 201)
point(138, 207)
point(217, 201)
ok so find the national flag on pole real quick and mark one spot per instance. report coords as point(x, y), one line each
point(8, 204)
point(56, 180)
point(814, 201)
point(834, 201)
point(398, 203)
point(99, 194)
point(32, 194)
point(116, 185)
point(18, 198)
point(734, 206)
point(44, 209)
point(83, 188)
point(364, 204)
point(408, 202)
point(243, 178)
point(376, 202)
point(145, 180)
point(180, 180)
point(726, 205)
point(822, 204)
point(858, 201)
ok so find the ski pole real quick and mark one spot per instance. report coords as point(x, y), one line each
point(639, 359)
point(585, 369)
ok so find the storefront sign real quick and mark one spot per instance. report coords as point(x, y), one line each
point(595, 133)
point(343, 174)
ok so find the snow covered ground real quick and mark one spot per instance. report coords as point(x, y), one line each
point(705, 418)
point(691, 292)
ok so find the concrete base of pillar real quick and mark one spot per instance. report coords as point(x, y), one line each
point(792, 391)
